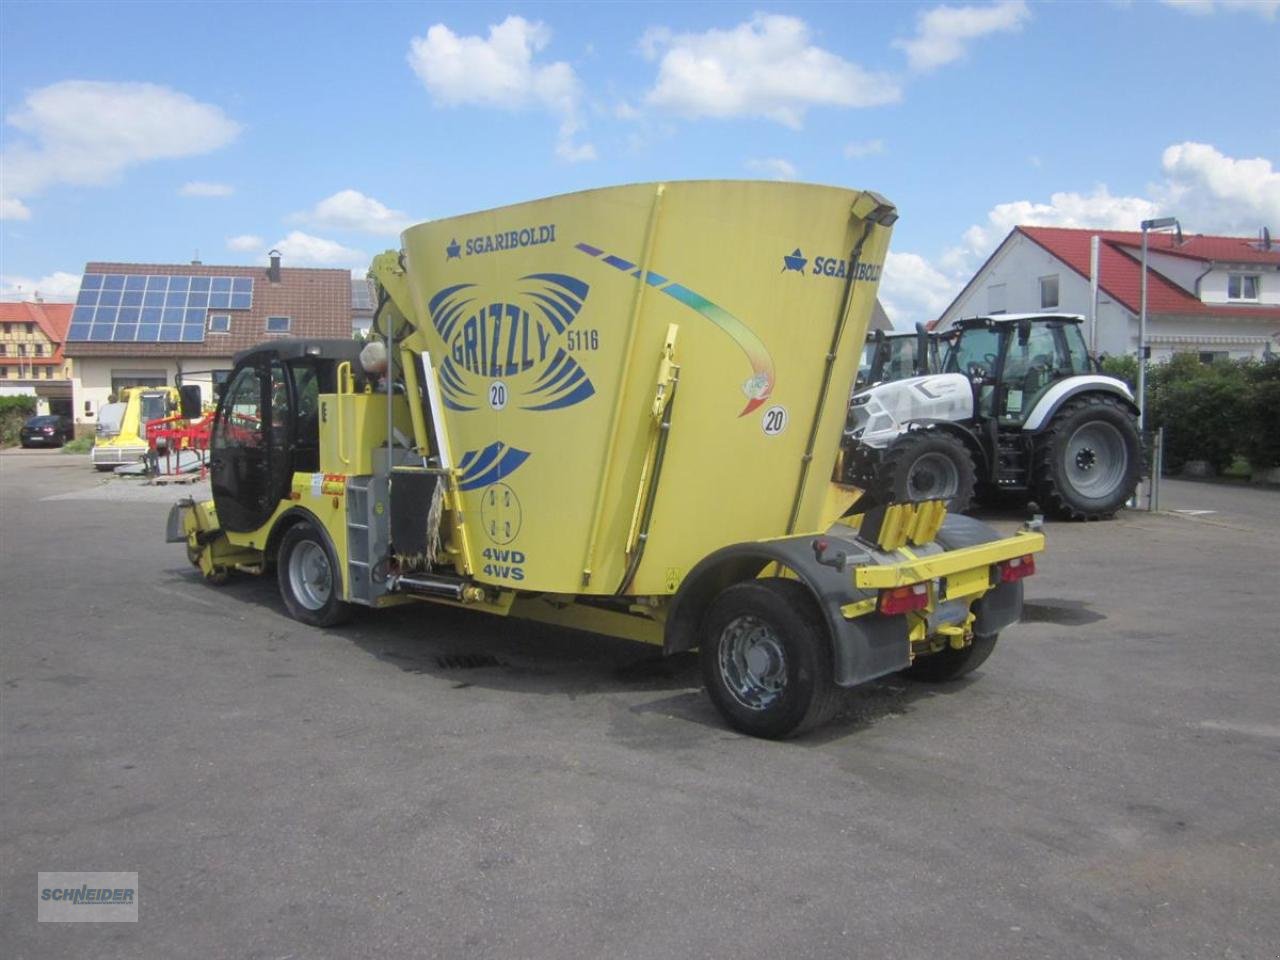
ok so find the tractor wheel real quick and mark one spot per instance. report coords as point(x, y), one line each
point(1089, 460)
point(766, 659)
point(928, 465)
point(952, 664)
point(309, 577)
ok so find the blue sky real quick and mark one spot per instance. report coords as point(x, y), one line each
point(148, 132)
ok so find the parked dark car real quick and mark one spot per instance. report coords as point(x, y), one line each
point(46, 431)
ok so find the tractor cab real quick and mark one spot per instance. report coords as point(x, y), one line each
point(896, 356)
point(1013, 361)
point(267, 427)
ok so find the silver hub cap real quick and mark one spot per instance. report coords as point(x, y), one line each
point(752, 663)
point(310, 575)
point(933, 477)
point(1096, 460)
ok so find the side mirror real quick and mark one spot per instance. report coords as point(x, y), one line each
point(190, 397)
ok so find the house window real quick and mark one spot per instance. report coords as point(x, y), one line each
point(48, 373)
point(39, 350)
point(220, 323)
point(30, 328)
point(1049, 292)
point(996, 302)
point(22, 349)
point(1213, 356)
point(277, 324)
point(1243, 286)
point(4, 371)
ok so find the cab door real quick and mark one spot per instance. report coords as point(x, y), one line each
point(249, 470)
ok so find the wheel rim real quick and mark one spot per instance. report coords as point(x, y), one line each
point(1096, 460)
point(310, 575)
point(933, 477)
point(753, 665)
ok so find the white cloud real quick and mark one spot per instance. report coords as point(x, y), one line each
point(244, 243)
point(773, 167)
point(943, 33)
point(766, 67)
point(87, 133)
point(500, 72)
point(1206, 190)
point(203, 188)
point(11, 208)
point(303, 249)
point(1213, 192)
point(912, 289)
point(863, 148)
point(1098, 209)
point(352, 210)
point(57, 287)
point(1267, 9)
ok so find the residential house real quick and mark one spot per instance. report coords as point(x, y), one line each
point(149, 324)
point(31, 353)
point(1213, 296)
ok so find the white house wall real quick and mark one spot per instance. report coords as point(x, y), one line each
point(1213, 288)
point(92, 383)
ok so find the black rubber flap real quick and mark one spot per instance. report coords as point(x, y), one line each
point(411, 495)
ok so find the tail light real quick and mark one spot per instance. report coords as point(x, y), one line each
point(904, 599)
point(1016, 569)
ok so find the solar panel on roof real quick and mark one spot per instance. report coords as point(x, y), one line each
point(141, 308)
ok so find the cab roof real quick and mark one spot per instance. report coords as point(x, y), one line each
point(1003, 318)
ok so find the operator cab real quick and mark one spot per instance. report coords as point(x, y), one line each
point(1013, 360)
point(267, 426)
point(896, 356)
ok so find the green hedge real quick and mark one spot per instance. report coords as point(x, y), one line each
point(1213, 411)
point(14, 412)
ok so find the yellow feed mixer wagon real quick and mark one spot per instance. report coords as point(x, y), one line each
point(620, 411)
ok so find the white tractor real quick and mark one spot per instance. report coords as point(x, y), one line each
point(1018, 407)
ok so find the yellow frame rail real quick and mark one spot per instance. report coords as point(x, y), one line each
point(944, 564)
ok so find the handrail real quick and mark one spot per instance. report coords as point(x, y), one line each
point(346, 387)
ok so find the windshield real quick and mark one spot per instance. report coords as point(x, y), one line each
point(109, 418)
point(975, 352)
point(154, 407)
point(43, 422)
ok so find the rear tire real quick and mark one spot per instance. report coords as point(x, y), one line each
point(927, 465)
point(766, 659)
point(950, 664)
point(310, 579)
point(1089, 460)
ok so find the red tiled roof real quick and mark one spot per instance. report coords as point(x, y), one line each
point(317, 301)
point(1120, 271)
point(52, 319)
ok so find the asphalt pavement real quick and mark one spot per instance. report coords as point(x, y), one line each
point(435, 783)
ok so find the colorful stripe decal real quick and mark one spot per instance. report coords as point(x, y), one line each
point(760, 385)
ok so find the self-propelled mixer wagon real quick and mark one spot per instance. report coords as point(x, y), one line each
point(620, 411)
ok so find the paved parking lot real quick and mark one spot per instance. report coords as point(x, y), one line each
point(1107, 786)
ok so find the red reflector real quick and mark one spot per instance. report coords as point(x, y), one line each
point(903, 599)
point(1017, 568)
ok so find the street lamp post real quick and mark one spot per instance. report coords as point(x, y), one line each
point(1161, 223)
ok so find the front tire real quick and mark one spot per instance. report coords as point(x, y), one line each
point(309, 577)
point(1089, 460)
point(950, 664)
point(766, 659)
point(928, 465)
